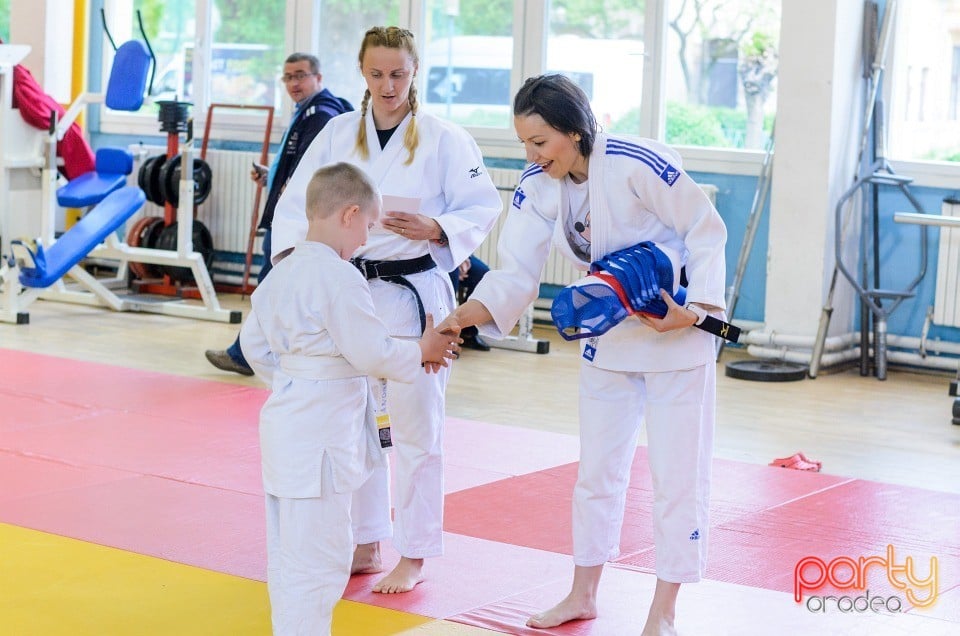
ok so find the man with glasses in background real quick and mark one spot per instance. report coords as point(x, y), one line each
point(315, 106)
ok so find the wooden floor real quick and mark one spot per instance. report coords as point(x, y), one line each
point(895, 431)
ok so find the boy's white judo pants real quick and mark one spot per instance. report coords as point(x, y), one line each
point(309, 553)
point(416, 414)
point(680, 411)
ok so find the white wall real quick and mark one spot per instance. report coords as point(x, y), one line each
point(818, 120)
point(47, 26)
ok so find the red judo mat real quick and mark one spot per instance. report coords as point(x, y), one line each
point(764, 520)
point(168, 466)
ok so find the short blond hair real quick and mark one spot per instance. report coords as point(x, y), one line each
point(338, 185)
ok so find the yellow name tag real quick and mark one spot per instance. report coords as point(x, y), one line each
point(383, 429)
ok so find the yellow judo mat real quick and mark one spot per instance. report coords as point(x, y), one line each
point(56, 586)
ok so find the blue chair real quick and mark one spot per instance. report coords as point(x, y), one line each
point(125, 90)
point(112, 167)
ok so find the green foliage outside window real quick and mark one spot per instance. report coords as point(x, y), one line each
point(5, 20)
point(696, 125)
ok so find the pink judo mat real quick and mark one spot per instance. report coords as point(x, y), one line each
point(168, 466)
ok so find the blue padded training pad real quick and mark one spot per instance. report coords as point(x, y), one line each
point(79, 240)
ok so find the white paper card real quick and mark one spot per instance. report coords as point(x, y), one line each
point(393, 203)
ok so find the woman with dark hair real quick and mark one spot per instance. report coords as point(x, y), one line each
point(591, 194)
point(449, 205)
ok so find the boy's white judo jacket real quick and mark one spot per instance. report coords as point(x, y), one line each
point(313, 336)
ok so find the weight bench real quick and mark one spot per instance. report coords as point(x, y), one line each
point(49, 265)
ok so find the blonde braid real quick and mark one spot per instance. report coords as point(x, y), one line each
point(362, 149)
point(393, 38)
point(411, 139)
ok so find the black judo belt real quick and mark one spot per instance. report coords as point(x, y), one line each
point(394, 272)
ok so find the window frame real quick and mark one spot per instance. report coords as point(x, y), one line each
point(233, 126)
point(530, 29)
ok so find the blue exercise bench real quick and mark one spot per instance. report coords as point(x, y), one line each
point(105, 188)
point(49, 265)
point(110, 202)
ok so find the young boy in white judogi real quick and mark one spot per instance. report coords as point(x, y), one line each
point(314, 337)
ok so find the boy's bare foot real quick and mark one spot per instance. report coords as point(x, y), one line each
point(403, 578)
point(366, 559)
point(569, 609)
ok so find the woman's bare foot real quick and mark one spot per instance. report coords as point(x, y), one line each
point(403, 578)
point(659, 628)
point(569, 609)
point(366, 559)
point(663, 609)
point(579, 605)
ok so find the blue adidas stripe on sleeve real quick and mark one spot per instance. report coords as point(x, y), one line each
point(658, 164)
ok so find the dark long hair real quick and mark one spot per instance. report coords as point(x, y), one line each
point(562, 104)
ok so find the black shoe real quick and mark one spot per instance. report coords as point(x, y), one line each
point(475, 342)
point(222, 360)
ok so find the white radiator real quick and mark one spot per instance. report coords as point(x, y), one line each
point(946, 303)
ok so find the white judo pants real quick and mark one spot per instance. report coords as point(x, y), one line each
point(680, 411)
point(309, 553)
point(416, 416)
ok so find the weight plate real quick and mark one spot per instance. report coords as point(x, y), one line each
point(135, 233)
point(202, 243)
point(766, 370)
point(170, 181)
point(142, 174)
point(203, 178)
point(144, 234)
point(153, 191)
point(153, 233)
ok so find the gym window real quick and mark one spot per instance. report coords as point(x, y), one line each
point(923, 88)
point(207, 51)
point(720, 76)
point(474, 56)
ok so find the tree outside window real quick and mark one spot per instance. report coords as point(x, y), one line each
point(721, 72)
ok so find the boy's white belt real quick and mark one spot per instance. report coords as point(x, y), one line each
point(318, 367)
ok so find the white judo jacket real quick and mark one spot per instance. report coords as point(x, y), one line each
point(447, 175)
point(638, 192)
point(313, 336)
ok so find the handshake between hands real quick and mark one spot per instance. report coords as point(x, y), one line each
point(440, 344)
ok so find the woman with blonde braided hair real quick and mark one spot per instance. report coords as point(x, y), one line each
point(392, 38)
point(450, 205)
